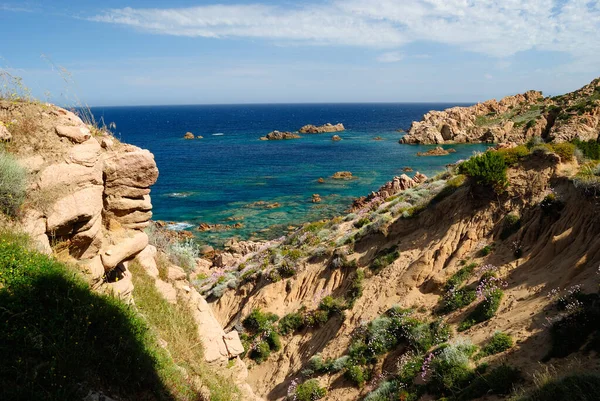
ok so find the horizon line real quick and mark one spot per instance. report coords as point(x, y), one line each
point(275, 104)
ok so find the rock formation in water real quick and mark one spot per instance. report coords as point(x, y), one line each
point(313, 129)
point(277, 136)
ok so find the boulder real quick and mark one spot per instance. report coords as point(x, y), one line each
point(233, 343)
point(133, 169)
point(86, 153)
point(188, 135)
point(76, 134)
point(342, 175)
point(437, 151)
point(316, 198)
point(277, 135)
point(147, 259)
point(126, 248)
point(224, 259)
point(166, 290)
point(74, 209)
point(336, 138)
point(116, 203)
point(176, 273)
point(94, 271)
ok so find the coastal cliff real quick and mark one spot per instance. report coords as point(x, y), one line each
point(517, 118)
point(87, 204)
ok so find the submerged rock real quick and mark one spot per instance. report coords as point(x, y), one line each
point(336, 138)
point(316, 198)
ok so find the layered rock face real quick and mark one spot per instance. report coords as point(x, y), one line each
point(514, 119)
point(313, 129)
point(90, 195)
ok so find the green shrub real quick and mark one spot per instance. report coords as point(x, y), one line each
point(485, 251)
point(510, 225)
point(258, 321)
point(451, 186)
point(357, 375)
point(485, 310)
point(260, 352)
point(456, 299)
point(450, 370)
point(290, 323)
point(487, 169)
point(460, 276)
point(590, 149)
point(332, 306)
point(551, 205)
point(13, 184)
point(512, 156)
point(356, 288)
point(362, 222)
point(565, 150)
point(499, 342)
point(310, 390)
point(384, 259)
point(273, 340)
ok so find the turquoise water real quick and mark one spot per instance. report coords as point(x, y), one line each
point(219, 179)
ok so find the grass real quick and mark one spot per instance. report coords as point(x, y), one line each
point(175, 325)
point(384, 259)
point(455, 296)
point(579, 387)
point(13, 184)
point(59, 339)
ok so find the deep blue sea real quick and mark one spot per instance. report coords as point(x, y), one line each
point(219, 178)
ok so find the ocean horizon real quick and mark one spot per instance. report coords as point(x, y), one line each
point(260, 189)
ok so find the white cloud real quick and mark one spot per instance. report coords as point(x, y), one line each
point(390, 57)
point(498, 28)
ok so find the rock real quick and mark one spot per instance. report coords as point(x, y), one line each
point(76, 208)
point(94, 270)
point(312, 129)
point(316, 198)
point(342, 175)
point(167, 291)
point(276, 136)
point(5, 135)
point(78, 134)
point(224, 259)
point(107, 143)
point(378, 138)
point(438, 151)
point(419, 178)
point(188, 135)
point(336, 138)
point(233, 343)
point(64, 175)
point(147, 259)
point(176, 273)
point(86, 153)
point(132, 169)
point(114, 203)
point(321, 180)
point(391, 188)
point(206, 250)
point(125, 248)
point(407, 169)
point(123, 287)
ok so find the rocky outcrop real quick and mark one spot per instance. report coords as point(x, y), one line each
point(5, 135)
point(336, 138)
point(188, 135)
point(313, 129)
point(277, 136)
point(390, 188)
point(514, 119)
point(342, 175)
point(437, 151)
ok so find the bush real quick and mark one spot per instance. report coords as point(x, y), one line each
point(263, 338)
point(260, 352)
point(456, 299)
point(551, 205)
point(450, 370)
point(511, 224)
point(566, 150)
point(590, 149)
point(362, 222)
point(460, 276)
point(331, 305)
point(13, 184)
point(512, 156)
point(384, 259)
point(485, 310)
point(485, 251)
point(310, 391)
point(290, 323)
point(356, 375)
point(356, 288)
point(258, 321)
point(451, 186)
point(487, 169)
point(499, 342)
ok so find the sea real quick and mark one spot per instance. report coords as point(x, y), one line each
point(262, 189)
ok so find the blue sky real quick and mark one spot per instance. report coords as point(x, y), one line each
point(264, 51)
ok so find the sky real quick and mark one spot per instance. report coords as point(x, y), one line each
point(152, 52)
